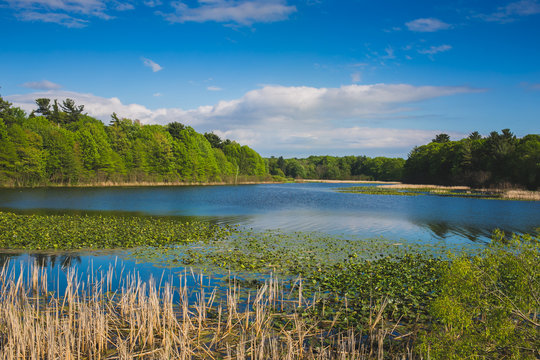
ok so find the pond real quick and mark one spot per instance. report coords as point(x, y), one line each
point(294, 207)
point(309, 207)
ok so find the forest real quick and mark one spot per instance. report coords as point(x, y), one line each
point(59, 144)
point(499, 160)
point(338, 168)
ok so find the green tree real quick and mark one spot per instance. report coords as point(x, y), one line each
point(441, 138)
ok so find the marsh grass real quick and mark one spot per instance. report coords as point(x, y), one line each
point(437, 190)
point(465, 191)
point(152, 319)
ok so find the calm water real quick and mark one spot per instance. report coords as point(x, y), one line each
point(289, 207)
point(295, 207)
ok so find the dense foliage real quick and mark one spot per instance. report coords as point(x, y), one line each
point(499, 160)
point(340, 168)
point(489, 303)
point(59, 144)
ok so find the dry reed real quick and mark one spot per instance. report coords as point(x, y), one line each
point(138, 319)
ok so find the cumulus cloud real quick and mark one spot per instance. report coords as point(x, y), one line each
point(69, 13)
point(152, 65)
point(435, 49)
point(279, 118)
point(427, 25)
point(512, 11)
point(41, 85)
point(243, 12)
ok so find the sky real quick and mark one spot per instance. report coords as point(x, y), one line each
point(288, 78)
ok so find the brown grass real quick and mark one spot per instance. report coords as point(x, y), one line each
point(142, 320)
point(521, 195)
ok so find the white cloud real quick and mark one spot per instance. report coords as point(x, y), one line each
point(41, 85)
point(243, 12)
point(69, 13)
point(427, 25)
point(435, 49)
point(512, 11)
point(345, 140)
point(152, 65)
point(157, 94)
point(214, 88)
point(279, 118)
point(56, 18)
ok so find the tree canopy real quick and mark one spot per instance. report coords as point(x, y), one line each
point(59, 143)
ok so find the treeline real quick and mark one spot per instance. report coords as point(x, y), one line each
point(59, 144)
point(498, 160)
point(338, 168)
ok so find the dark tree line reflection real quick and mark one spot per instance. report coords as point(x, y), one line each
point(64, 261)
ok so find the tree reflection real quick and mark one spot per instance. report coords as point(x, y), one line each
point(51, 260)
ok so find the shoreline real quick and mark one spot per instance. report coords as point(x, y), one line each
point(138, 184)
point(347, 181)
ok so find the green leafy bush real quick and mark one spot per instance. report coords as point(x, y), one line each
point(489, 304)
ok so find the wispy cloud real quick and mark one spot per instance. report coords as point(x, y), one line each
point(432, 50)
point(512, 11)
point(152, 3)
point(280, 118)
point(214, 88)
point(41, 85)
point(427, 25)
point(389, 53)
point(243, 12)
point(530, 86)
point(157, 94)
point(69, 13)
point(152, 65)
point(356, 77)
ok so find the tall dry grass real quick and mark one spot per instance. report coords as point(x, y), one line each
point(138, 319)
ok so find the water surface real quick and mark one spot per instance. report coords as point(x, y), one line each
point(294, 207)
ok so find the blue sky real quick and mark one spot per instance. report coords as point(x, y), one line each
point(286, 77)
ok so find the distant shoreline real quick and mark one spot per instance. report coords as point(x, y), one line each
point(137, 184)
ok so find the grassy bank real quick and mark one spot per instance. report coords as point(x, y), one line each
point(226, 180)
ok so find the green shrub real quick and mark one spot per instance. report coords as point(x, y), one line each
point(489, 304)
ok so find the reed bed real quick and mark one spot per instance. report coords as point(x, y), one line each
point(112, 316)
point(521, 195)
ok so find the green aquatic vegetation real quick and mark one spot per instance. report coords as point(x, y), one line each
point(41, 232)
point(350, 272)
point(375, 190)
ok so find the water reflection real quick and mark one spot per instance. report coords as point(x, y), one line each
point(293, 207)
point(43, 260)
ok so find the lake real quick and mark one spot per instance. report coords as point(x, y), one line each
point(313, 207)
point(294, 207)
